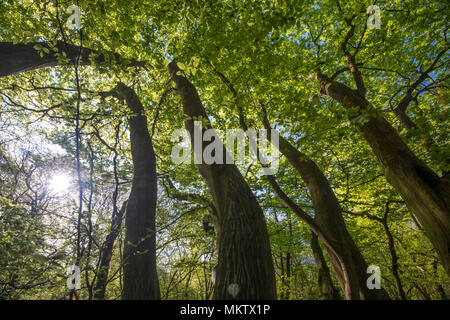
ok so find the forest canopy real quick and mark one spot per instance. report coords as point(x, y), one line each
point(116, 131)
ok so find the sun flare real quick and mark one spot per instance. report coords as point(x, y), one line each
point(59, 183)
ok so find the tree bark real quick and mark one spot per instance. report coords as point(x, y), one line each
point(244, 255)
point(425, 193)
point(326, 286)
point(140, 279)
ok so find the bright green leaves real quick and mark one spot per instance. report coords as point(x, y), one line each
point(41, 49)
point(266, 50)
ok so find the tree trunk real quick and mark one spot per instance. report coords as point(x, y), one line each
point(22, 57)
point(106, 255)
point(326, 286)
point(394, 260)
point(426, 195)
point(244, 255)
point(288, 275)
point(140, 279)
point(328, 216)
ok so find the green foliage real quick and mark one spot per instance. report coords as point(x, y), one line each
point(267, 50)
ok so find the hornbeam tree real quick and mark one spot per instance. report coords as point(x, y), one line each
point(244, 256)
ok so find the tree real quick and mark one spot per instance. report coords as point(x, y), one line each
point(140, 277)
point(244, 256)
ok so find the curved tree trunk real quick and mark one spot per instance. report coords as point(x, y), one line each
point(328, 216)
point(244, 257)
point(425, 193)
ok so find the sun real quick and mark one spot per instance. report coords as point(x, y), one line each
point(59, 183)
